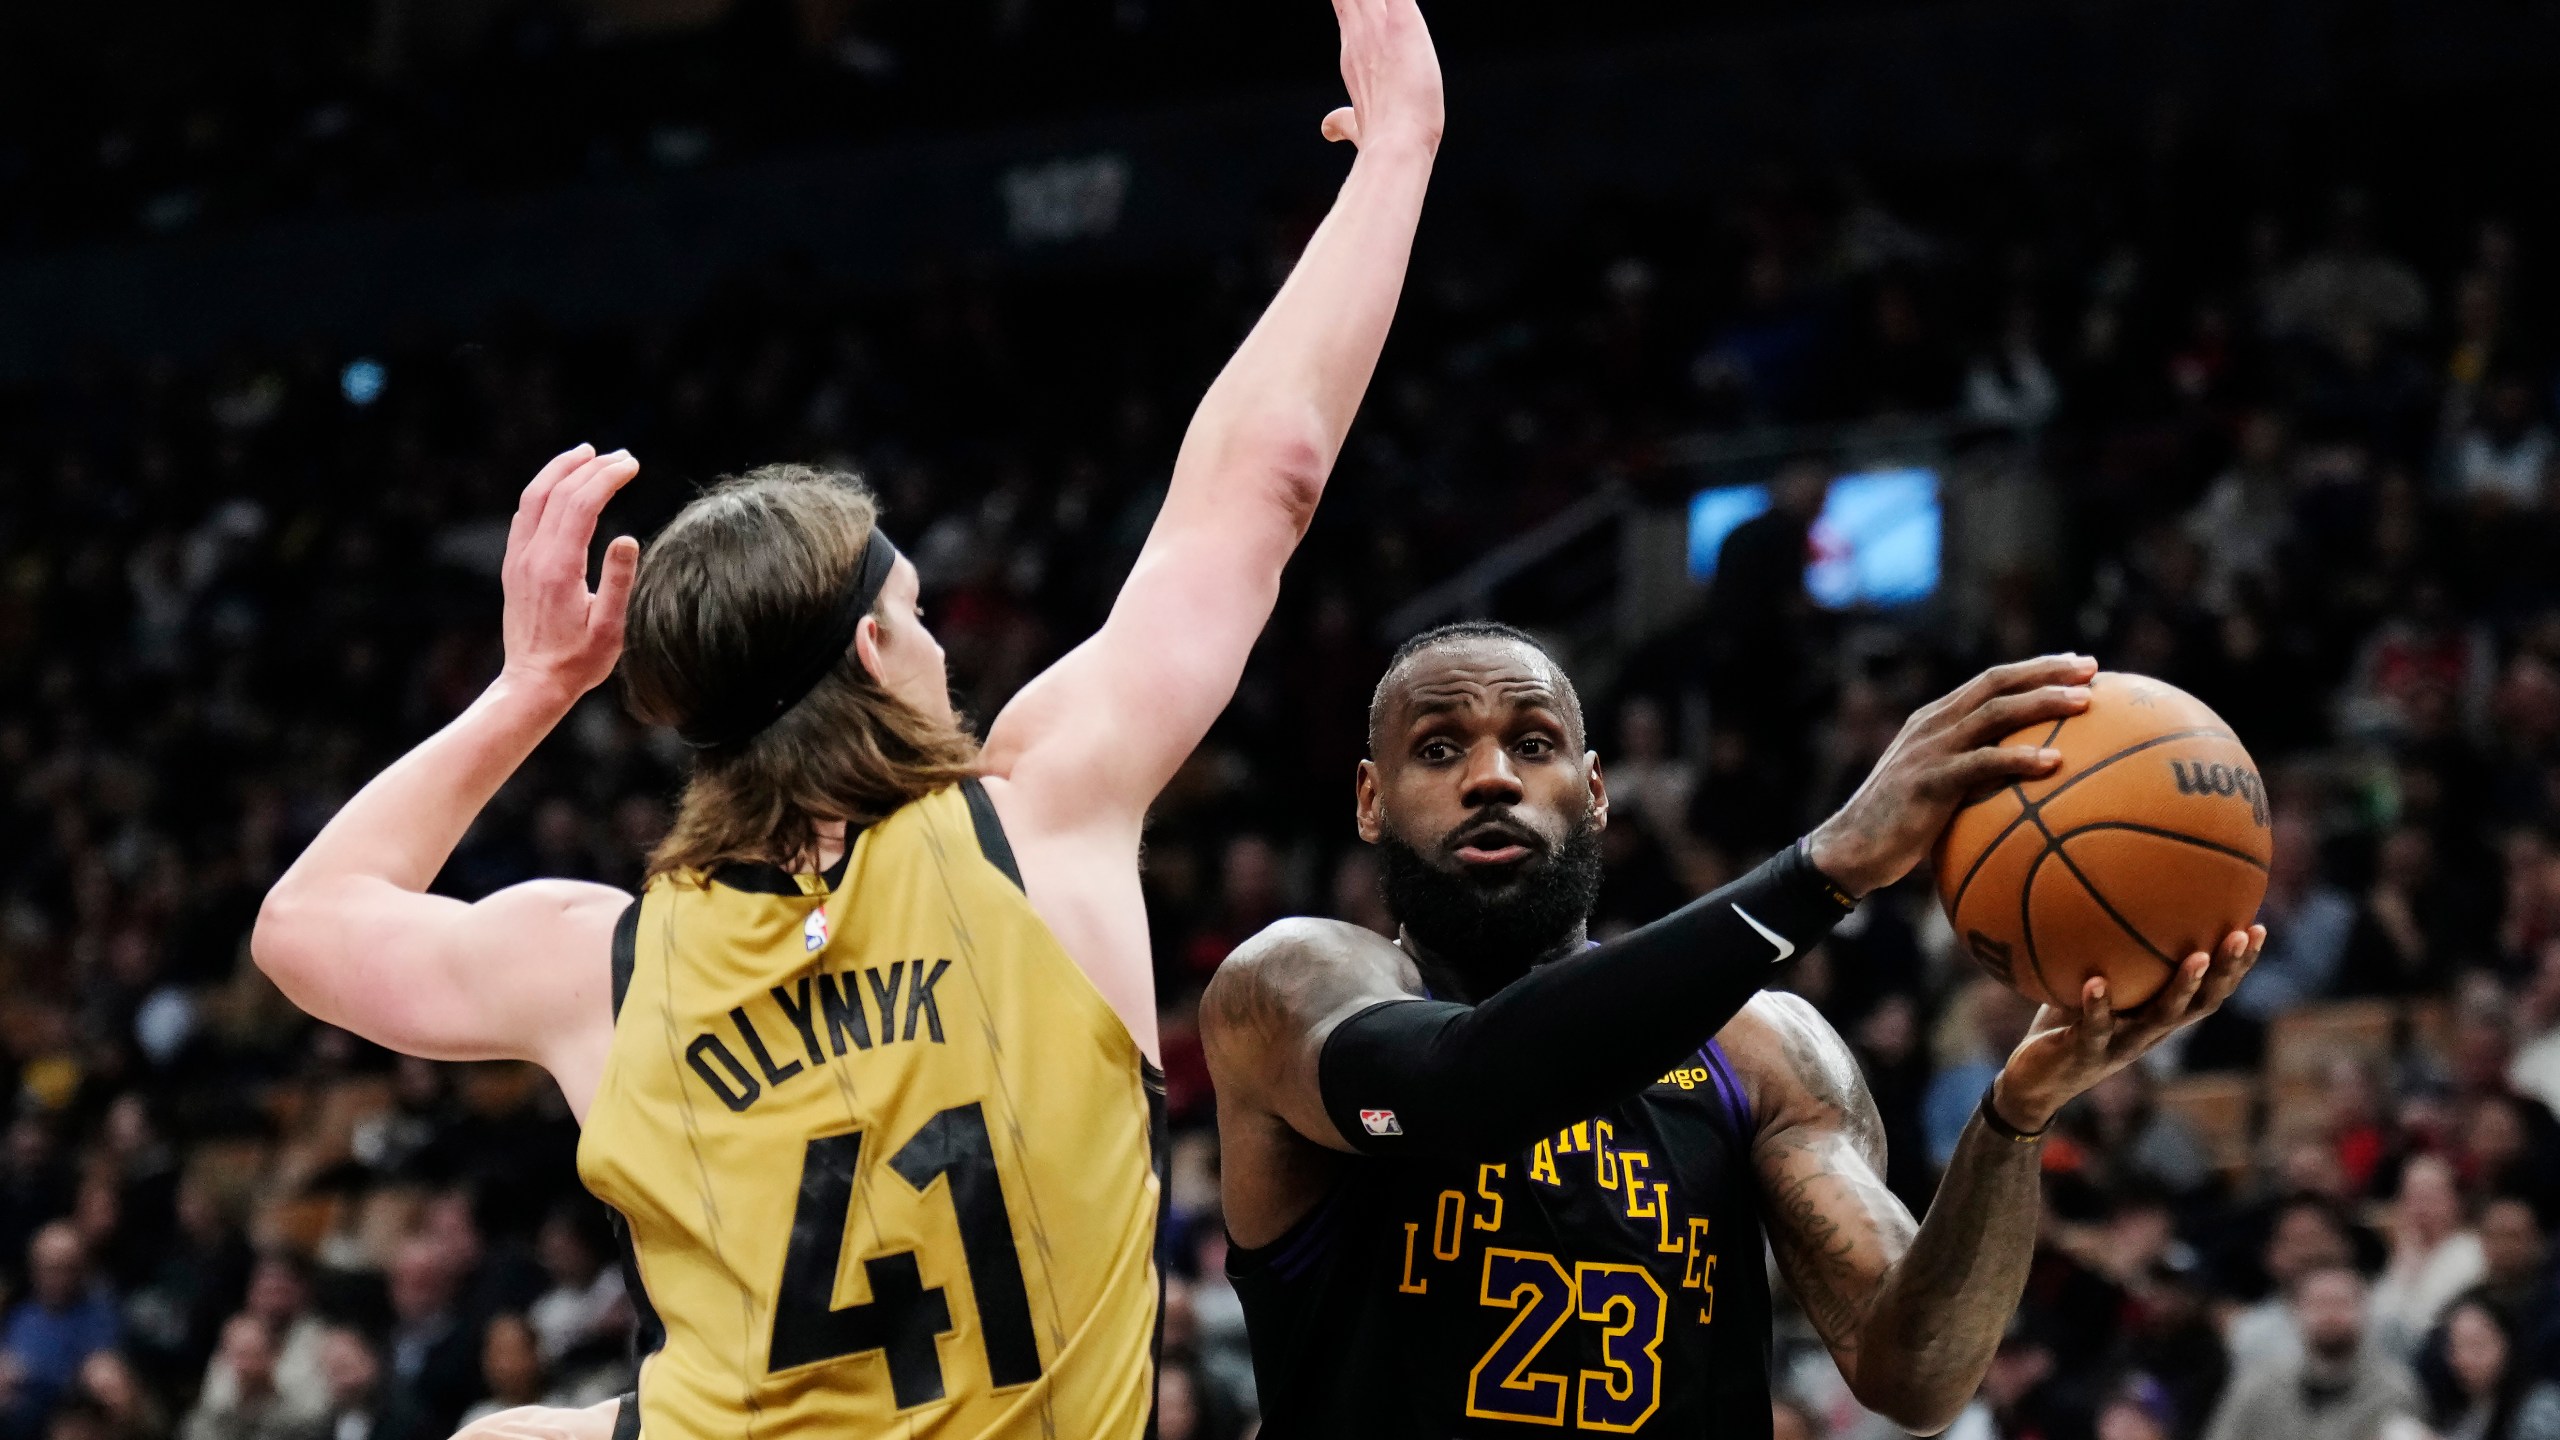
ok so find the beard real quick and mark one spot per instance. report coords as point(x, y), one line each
point(1489, 928)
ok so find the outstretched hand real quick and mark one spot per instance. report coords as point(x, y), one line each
point(2066, 1053)
point(1948, 753)
point(1392, 72)
point(560, 636)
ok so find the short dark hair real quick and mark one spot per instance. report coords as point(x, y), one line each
point(1458, 632)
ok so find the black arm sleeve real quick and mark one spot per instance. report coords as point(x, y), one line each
point(1430, 1078)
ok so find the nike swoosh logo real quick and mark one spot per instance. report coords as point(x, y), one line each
point(1786, 947)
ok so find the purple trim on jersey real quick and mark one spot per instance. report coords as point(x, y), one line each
point(1294, 1255)
point(1736, 1099)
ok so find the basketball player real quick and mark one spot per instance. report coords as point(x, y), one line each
point(1489, 1179)
point(864, 1068)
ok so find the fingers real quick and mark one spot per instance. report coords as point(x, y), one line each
point(1343, 124)
point(2231, 963)
point(2009, 714)
point(529, 505)
point(1978, 772)
point(2094, 1034)
point(613, 589)
point(2170, 1008)
point(569, 519)
point(2020, 675)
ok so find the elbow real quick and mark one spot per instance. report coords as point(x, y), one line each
point(275, 938)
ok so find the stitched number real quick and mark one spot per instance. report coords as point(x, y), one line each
point(1502, 1386)
point(1629, 1306)
point(953, 1145)
point(903, 1320)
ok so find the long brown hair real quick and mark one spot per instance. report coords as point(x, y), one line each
point(754, 562)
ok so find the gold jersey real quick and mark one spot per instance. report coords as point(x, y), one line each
point(885, 1158)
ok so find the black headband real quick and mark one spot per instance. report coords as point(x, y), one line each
point(727, 726)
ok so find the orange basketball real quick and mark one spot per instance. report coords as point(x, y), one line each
point(2148, 845)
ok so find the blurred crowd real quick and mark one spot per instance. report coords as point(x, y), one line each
point(2296, 442)
point(136, 118)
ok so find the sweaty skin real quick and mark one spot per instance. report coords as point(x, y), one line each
point(1911, 1311)
point(350, 934)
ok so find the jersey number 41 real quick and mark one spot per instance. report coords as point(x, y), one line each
point(902, 1319)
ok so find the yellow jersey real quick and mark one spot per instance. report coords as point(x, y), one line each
point(885, 1160)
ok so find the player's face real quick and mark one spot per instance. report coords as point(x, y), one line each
point(900, 653)
point(1485, 807)
point(1478, 768)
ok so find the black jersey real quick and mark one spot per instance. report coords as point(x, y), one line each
point(1608, 1278)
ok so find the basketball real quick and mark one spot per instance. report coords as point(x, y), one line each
point(2149, 844)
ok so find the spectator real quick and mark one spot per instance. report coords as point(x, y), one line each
point(2536, 1069)
point(2521, 1280)
point(2140, 1409)
point(1980, 1023)
point(2340, 1388)
point(35, 1186)
point(2138, 1143)
point(512, 1369)
point(2491, 1395)
point(2406, 929)
point(2434, 1257)
point(252, 1409)
point(67, 1318)
point(279, 1297)
point(2306, 1238)
point(2010, 384)
point(122, 1403)
point(1650, 782)
point(2308, 924)
point(2503, 463)
point(435, 1359)
point(583, 1321)
point(2348, 285)
point(355, 1405)
point(2246, 515)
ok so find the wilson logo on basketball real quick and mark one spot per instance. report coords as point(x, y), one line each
point(2197, 778)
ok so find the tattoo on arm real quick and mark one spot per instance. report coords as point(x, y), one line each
point(1825, 1188)
point(1913, 1315)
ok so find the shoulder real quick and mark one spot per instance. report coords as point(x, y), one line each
point(1781, 1040)
point(1270, 1008)
point(1299, 965)
point(1795, 1066)
point(553, 915)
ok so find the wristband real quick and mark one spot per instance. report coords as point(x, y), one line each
point(1992, 1122)
point(1803, 849)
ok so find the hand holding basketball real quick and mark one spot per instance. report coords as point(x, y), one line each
point(561, 638)
point(1949, 751)
point(1392, 72)
point(2066, 1052)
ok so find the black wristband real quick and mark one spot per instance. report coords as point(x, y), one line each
point(1992, 1121)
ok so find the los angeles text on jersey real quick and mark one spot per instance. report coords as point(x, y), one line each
point(899, 995)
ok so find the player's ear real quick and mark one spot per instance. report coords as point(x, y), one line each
point(1367, 812)
point(866, 648)
point(1599, 790)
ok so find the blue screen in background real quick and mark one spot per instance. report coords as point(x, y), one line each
point(1876, 542)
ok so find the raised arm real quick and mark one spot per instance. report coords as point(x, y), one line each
point(350, 934)
point(1913, 1313)
point(1090, 742)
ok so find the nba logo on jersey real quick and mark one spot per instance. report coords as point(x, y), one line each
point(1380, 1122)
point(813, 936)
